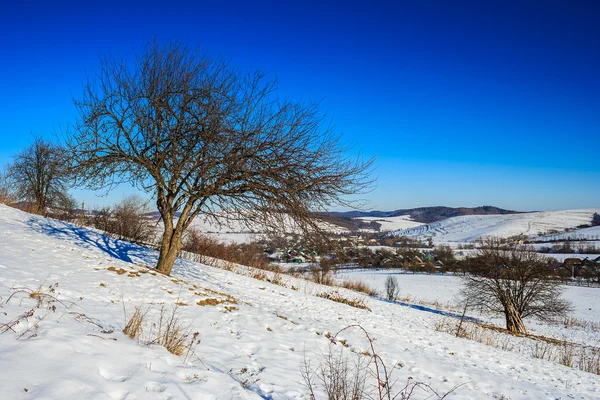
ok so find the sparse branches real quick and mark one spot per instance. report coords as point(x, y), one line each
point(392, 290)
point(340, 375)
point(513, 280)
point(40, 174)
point(201, 137)
point(7, 187)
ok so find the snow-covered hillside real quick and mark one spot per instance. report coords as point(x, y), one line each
point(393, 223)
point(468, 228)
point(254, 335)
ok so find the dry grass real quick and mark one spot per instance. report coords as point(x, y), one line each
point(358, 286)
point(353, 302)
point(580, 323)
point(168, 330)
point(133, 328)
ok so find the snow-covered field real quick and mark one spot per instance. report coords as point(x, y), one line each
point(393, 223)
point(446, 289)
point(468, 228)
point(252, 349)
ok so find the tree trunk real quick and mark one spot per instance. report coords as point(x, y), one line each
point(514, 321)
point(169, 248)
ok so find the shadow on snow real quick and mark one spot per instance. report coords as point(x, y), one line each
point(84, 237)
point(428, 309)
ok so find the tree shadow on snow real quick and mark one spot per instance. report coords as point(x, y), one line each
point(119, 249)
point(430, 310)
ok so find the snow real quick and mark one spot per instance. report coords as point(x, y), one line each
point(393, 223)
point(468, 228)
point(79, 351)
point(591, 233)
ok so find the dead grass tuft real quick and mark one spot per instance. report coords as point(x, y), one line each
point(133, 328)
point(353, 302)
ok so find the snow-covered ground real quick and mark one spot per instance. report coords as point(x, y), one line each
point(393, 223)
point(254, 350)
point(468, 228)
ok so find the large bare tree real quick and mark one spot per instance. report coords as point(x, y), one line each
point(202, 137)
point(513, 280)
point(40, 175)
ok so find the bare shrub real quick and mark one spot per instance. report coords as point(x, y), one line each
point(392, 290)
point(128, 220)
point(321, 274)
point(344, 376)
point(251, 255)
point(337, 376)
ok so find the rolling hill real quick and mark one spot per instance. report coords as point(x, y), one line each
point(467, 228)
point(427, 214)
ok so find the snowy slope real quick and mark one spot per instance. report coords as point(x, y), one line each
point(393, 223)
point(79, 352)
point(592, 233)
point(468, 228)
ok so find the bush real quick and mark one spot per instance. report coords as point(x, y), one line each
point(126, 220)
point(392, 290)
point(251, 255)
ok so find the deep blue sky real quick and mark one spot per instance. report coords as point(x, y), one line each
point(464, 103)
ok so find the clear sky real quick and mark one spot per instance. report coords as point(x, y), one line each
point(464, 103)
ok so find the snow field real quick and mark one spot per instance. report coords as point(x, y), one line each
point(261, 343)
point(468, 228)
point(393, 223)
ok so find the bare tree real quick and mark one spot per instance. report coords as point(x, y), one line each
point(40, 174)
point(513, 280)
point(7, 187)
point(202, 137)
point(391, 287)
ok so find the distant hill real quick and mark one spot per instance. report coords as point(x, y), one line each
point(427, 215)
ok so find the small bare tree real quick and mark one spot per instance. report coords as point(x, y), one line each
point(391, 287)
point(513, 280)
point(202, 137)
point(7, 187)
point(40, 174)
